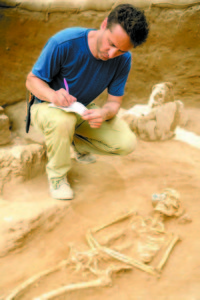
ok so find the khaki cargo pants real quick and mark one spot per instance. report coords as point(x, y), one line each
point(61, 128)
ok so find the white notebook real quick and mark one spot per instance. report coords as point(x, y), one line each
point(75, 107)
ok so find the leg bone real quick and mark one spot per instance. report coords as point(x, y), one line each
point(100, 282)
point(34, 278)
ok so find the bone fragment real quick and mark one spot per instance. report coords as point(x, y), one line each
point(92, 242)
point(100, 282)
point(121, 257)
point(104, 280)
point(185, 219)
point(155, 223)
point(34, 278)
point(174, 239)
point(129, 260)
point(119, 219)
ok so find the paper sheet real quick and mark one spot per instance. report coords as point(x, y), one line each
point(75, 107)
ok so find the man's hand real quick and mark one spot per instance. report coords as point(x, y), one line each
point(42, 91)
point(95, 117)
point(62, 98)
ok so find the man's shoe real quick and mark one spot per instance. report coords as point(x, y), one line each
point(84, 158)
point(60, 189)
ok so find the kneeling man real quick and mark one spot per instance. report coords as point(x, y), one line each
point(90, 61)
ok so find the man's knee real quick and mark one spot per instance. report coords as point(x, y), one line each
point(52, 120)
point(64, 125)
point(128, 144)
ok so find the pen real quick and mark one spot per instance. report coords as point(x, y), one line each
point(66, 85)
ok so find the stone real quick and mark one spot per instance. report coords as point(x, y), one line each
point(18, 220)
point(17, 117)
point(21, 163)
point(5, 134)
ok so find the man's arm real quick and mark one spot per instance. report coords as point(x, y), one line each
point(38, 87)
point(96, 117)
point(42, 91)
point(111, 107)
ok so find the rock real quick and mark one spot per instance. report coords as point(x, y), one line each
point(21, 163)
point(5, 134)
point(17, 117)
point(185, 219)
point(1, 110)
point(18, 220)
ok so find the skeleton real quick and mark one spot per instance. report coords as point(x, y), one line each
point(151, 233)
point(158, 119)
point(170, 205)
point(104, 279)
point(149, 230)
point(161, 93)
point(100, 282)
point(82, 262)
point(159, 124)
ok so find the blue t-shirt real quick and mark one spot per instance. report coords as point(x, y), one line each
point(67, 55)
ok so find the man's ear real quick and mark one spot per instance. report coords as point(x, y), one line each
point(104, 24)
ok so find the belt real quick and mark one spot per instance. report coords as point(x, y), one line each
point(30, 101)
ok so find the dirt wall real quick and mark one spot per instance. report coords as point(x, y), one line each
point(171, 52)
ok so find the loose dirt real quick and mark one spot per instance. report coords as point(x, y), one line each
point(114, 185)
point(106, 189)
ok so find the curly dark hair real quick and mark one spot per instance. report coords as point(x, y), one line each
point(132, 20)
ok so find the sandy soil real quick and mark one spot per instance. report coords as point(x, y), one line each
point(114, 185)
point(108, 188)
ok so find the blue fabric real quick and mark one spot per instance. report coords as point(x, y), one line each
point(67, 55)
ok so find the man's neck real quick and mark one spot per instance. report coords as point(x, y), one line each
point(92, 42)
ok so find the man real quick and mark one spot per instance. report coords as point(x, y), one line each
point(90, 61)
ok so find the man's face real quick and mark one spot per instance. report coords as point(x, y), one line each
point(112, 42)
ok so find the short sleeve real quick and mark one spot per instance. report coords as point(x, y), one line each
point(48, 64)
point(117, 85)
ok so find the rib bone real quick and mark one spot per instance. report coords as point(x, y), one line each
point(121, 257)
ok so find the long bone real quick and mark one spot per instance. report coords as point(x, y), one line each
point(34, 278)
point(171, 243)
point(119, 256)
point(73, 258)
point(22, 287)
point(114, 221)
point(95, 248)
point(117, 220)
point(104, 280)
point(100, 282)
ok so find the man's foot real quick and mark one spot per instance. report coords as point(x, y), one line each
point(85, 158)
point(60, 189)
